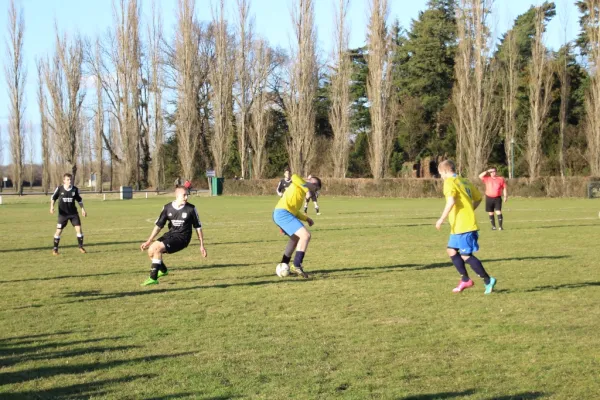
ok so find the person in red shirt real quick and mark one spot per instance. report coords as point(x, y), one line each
point(495, 188)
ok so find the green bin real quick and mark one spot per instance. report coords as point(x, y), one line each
point(216, 186)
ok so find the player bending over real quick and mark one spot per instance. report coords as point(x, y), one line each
point(462, 198)
point(288, 217)
point(182, 217)
point(67, 195)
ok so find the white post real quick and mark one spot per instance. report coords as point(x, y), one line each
point(0, 199)
point(146, 194)
point(104, 199)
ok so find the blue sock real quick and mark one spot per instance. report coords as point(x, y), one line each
point(459, 263)
point(298, 258)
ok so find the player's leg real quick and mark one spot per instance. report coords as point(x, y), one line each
point(303, 239)
point(289, 249)
point(468, 247)
point(77, 225)
point(316, 207)
point(306, 206)
point(459, 264)
point(155, 252)
point(499, 212)
point(59, 229)
point(489, 208)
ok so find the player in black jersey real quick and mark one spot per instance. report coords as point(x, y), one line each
point(284, 183)
point(311, 195)
point(182, 218)
point(67, 195)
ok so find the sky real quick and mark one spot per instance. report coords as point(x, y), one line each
point(271, 21)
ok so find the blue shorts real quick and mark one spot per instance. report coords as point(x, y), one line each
point(465, 243)
point(287, 221)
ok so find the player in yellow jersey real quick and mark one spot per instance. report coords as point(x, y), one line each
point(288, 217)
point(462, 198)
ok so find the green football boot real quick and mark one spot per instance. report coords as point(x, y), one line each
point(150, 281)
point(160, 273)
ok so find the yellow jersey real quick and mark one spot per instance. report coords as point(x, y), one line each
point(293, 197)
point(462, 216)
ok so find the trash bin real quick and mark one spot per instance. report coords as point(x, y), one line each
point(216, 186)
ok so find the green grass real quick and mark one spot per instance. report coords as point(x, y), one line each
point(377, 319)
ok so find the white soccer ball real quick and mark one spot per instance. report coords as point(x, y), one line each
point(282, 270)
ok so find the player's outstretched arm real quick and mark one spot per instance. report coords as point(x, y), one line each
point(201, 239)
point(505, 192)
point(148, 242)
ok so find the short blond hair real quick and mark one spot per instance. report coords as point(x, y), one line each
point(447, 165)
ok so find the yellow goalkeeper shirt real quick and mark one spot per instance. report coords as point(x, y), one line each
point(462, 216)
point(293, 198)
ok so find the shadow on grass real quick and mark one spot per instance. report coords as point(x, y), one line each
point(553, 226)
point(7, 378)
point(69, 246)
point(384, 267)
point(491, 260)
point(359, 227)
point(439, 396)
point(7, 362)
point(520, 396)
point(9, 349)
point(78, 391)
point(193, 396)
point(563, 286)
point(25, 338)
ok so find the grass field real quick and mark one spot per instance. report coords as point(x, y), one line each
point(377, 319)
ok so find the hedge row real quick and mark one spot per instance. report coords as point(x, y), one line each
point(415, 187)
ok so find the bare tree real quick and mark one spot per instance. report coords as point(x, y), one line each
point(540, 87)
point(99, 120)
point(62, 77)
point(155, 38)
point(301, 93)
point(242, 96)
point(592, 96)
point(30, 151)
point(383, 107)
point(185, 63)
point(339, 114)
point(16, 75)
point(477, 117)
point(44, 133)
point(221, 77)
point(260, 112)
point(510, 86)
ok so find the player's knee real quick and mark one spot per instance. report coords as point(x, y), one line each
point(465, 257)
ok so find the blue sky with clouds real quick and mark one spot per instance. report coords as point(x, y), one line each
point(272, 21)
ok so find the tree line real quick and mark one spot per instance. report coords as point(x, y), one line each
point(139, 107)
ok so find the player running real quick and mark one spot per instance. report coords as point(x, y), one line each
point(182, 217)
point(288, 217)
point(67, 195)
point(462, 198)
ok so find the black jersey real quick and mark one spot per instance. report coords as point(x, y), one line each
point(283, 184)
point(181, 220)
point(66, 199)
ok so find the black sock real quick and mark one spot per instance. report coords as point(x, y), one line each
point(477, 266)
point(56, 242)
point(154, 271)
point(305, 210)
point(500, 220)
point(298, 258)
point(493, 221)
point(459, 263)
point(317, 209)
point(80, 241)
point(286, 259)
point(163, 267)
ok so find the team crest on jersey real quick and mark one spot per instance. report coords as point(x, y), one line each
point(170, 214)
point(72, 193)
point(183, 215)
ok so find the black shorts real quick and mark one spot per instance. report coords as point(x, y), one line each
point(63, 220)
point(493, 204)
point(173, 243)
point(312, 196)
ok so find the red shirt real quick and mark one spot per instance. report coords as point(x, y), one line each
point(493, 186)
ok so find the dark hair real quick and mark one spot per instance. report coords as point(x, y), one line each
point(287, 169)
point(67, 175)
point(318, 180)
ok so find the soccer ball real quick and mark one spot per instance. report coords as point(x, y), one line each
point(282, 270)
